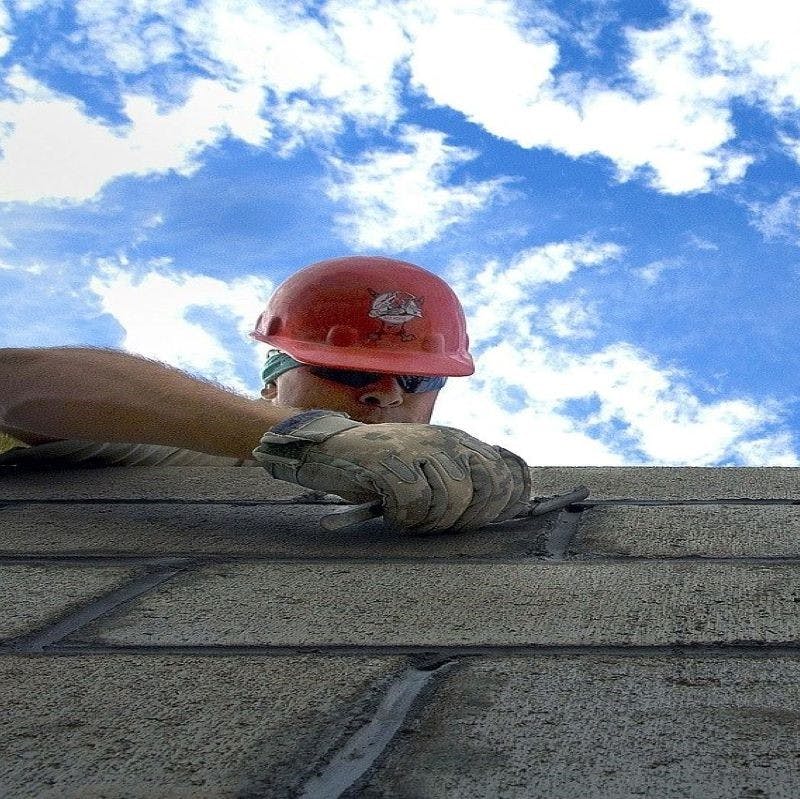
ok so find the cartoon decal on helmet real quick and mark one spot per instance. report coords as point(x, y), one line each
point(394, 310)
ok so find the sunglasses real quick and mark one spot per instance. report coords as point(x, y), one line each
point(411, 384)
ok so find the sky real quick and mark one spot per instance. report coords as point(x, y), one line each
point(611, 187)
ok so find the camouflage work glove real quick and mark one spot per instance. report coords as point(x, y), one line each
point(428, 477)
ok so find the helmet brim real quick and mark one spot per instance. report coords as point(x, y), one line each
point(374, 359)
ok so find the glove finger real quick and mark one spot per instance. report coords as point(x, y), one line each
point(345, 479)
point(406, 493)
point(452, 492)
point(486, 451)
point(492, 486)
point(519, 501)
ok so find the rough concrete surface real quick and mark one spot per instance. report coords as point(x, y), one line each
point(194, 633)
point(173, 726)
point(277, 530)
point(33, 595)
point(706, 530)
point(601, 727)
point(429, 604)
point(146, 483)
point(209, 482)
point(670, 483)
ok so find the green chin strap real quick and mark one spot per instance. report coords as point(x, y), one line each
point(276, 364)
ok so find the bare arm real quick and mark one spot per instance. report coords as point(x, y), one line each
point(107, 395)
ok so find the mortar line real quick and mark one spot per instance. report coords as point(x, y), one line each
point(97, 559)
point(203, 559)
point(305, 500)
point(40, 640)
point(80, 501)
point(441, 652)
point(645, 502)
point(562, 534)
point(360, 751)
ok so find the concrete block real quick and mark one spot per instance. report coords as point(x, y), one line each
point(446, 603)
point(267, 530)
point(663, 482)
point(710, 530)
point(574, 727)
point(91, 726)
point(31, 596)
point(253, 483)
point(145, 482)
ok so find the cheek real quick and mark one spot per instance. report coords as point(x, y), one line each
point(299, 391)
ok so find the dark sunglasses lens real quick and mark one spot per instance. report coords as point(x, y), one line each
point(346, 377)
point(411, 384)
point(420, 385)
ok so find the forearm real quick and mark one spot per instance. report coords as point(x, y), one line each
point(106, 395)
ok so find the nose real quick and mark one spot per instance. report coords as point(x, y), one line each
point(383, 393)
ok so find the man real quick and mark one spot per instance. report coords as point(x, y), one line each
point(362, 347)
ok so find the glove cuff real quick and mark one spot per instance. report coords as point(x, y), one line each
point(313, 426)
point(293, 423)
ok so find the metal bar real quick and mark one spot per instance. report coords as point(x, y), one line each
point(370, 510)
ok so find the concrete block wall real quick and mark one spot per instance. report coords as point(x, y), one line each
point(193, 632)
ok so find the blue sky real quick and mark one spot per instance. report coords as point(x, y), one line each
point(611, 186)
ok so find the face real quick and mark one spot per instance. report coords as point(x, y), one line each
point(381, 401)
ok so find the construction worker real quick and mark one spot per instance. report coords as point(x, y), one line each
point(361, 348)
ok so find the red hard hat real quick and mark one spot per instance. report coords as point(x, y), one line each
point(371, 314)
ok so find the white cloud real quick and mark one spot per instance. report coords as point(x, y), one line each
point(779, 219)
point(756, 44)
point(256, 84)
point(774, 450)
point(699, 243)
point(132, 36)
point(529, 388)
point(152, 309)
point(349, 53)
point(54, 151)
point(401, 199)
point(33, 268)
point(666, 115)
point(5, 30)
point(673, 122)
point(651, 273)
point(573, 318)
point(500, 297)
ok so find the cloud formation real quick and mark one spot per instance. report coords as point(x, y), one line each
point(403, 198)
point(779, 219)
point(5, 29)
point(153, 304)
point(616, 404)
point(53, 150)
point(232, 70)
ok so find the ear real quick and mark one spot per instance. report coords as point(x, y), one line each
point(270, 391)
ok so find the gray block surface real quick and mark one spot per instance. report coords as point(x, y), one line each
point(267, 530)
point(664, 482)
point(171, 726)
point(31, 595)
point(146, 482)
point(594, 727)
point(440, 604)
point(709, 530)
point(193, 482)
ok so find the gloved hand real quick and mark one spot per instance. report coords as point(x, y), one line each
point(428, 477)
